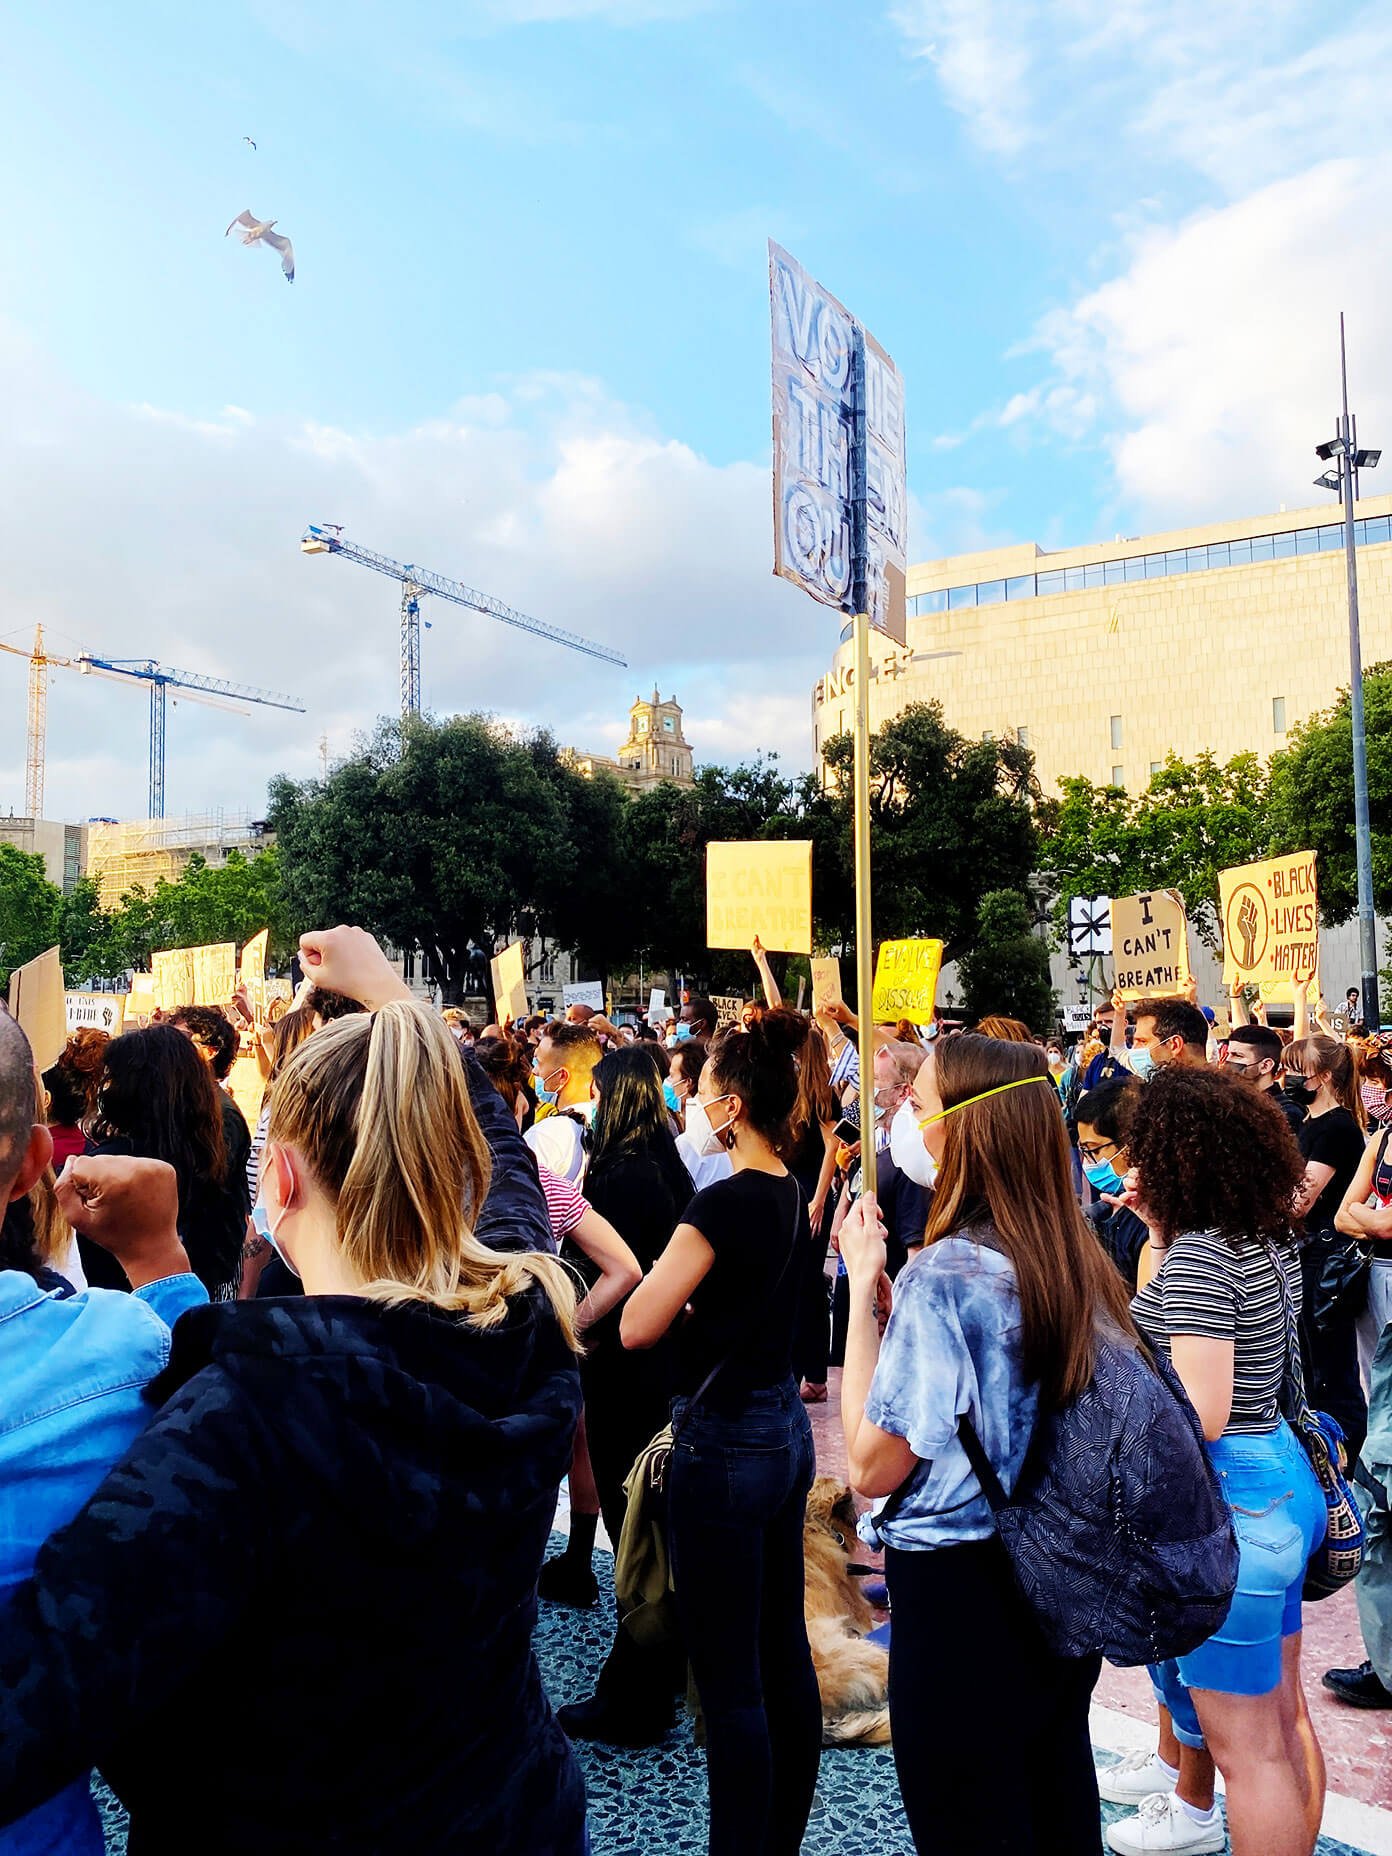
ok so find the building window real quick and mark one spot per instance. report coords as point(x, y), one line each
point(1155, 767)
point(1116, 732)
point(1278, 714)
point(988, 734)
point(1118, 776)
point(1022, 737)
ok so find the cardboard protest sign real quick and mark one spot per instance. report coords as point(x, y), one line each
point(906, 981)
point(36, 1000)
point(214, 973)
point(1270, 914)
point(253, 971)
point(727, 1008)
point(96, 1011)
point(1150, 944)
point(173, 977)
point(140, 1003)
point(1283, 992)
point(826, 983)
point(510, 983)
point(585, 992)
point(764, 889)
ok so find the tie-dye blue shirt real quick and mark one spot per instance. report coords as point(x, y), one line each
point(952, 1347)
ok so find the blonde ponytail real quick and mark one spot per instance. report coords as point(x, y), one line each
point(380, 1111)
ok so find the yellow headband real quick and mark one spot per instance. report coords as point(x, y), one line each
point(1000, 1089)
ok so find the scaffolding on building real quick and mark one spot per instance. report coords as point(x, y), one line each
point(124, 854)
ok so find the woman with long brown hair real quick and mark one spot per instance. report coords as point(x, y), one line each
point(995, 1319)
point(809, 1148)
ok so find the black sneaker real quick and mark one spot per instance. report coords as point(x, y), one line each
point(592, 1720)
point(1360, 1687)
point(566, 1581)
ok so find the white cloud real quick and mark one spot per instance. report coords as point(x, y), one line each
point(140, 531)
point(1210, 362)
point(1242, 93)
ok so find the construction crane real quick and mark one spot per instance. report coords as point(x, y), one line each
point(160, 678)
point(327, 538)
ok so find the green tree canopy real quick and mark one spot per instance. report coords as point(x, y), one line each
point(951, 821)
point(30, 909)
point(1310, 803)
point(1007, 968)
point(1194, 819)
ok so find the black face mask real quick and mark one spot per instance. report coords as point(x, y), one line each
point(1298, 1090)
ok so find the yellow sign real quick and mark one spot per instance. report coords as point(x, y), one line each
point(1270, 920)
point(826, 983)
point(510, 984)
point(173, 977)
point(214, 973)
point(1150, 944)
point(762, 889)
point(727, 1008)
point(906, 981)
point(36, 1000)
point(253, 972)
point(141, 1002)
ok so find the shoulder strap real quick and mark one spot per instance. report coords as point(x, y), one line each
point(751, 1325)
point(991, 1488)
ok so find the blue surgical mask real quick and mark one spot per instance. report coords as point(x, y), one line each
point(1102, 1176)
point(682, 1033)
point(1143, 1064)
point(543, 1094)
point(670, 1096)
point(261, 1224)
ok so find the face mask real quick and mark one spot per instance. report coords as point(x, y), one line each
point(261, 1223)
point(670, 1096)
point(1143, 1064)
point(907, 1151)
point(1055, 1060)
point(1102, 1176)
point(1298, 1090)
point(549, 1096)
point(705, 1138)
point(681, 1034)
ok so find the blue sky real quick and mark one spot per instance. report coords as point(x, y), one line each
point(527, 344)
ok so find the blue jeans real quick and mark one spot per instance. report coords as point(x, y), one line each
point(1280, 1517)
point(737, 1491)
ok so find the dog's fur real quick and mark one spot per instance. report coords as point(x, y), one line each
point(852, 1675)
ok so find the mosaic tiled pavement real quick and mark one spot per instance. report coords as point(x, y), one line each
point(653, 1803)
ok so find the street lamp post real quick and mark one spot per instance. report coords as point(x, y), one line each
point(1344, 478)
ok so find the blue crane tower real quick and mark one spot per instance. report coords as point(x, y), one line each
point(161, 679)
point(327, 538)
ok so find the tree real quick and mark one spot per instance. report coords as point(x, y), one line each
point(30, 908)
point(1311, 796)
point(1007, 968)
point(1193, 820)
point(439, 834)
point(951, 821)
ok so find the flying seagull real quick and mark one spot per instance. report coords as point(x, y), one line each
point(258, 231)
point(247, 139)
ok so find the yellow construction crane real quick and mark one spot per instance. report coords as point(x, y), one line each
point(158, 677)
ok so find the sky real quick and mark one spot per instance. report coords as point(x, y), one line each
point(527, 344)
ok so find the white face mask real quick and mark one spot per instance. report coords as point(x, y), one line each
point(705, 1138)
point(906, 1147)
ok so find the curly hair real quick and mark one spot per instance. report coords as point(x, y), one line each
point(1005, 1030)
point(1214, 1155)
point(211, 1030)
point(73, 1081)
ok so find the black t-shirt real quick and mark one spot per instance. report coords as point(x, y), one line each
point(1333, 1139)
point(744, 1311)
point(1292, 1111)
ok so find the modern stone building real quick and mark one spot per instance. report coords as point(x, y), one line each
point(1105, 659)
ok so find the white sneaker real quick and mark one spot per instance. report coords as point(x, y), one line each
point(1162, 1823)
point(1133, 1778)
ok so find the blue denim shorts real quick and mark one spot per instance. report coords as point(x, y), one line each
point(1280, 1518)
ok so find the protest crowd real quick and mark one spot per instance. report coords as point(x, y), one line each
point(291, 1402)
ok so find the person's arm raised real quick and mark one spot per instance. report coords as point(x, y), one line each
point(350, 961)
point(772, 996)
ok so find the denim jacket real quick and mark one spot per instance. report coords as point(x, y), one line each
point(72, 1371)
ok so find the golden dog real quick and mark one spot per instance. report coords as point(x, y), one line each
point(852, 1675)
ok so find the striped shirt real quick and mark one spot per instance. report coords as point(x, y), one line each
point(565, 1205)
point(1207, 1289)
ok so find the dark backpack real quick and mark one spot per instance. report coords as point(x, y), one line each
point(1118, 1531)
point(1108, 1067)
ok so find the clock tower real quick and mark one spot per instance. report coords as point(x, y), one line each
point(656, 748)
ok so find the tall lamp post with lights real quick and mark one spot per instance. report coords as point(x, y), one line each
point(1347, 461)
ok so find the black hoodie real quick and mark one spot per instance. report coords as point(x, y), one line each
point(298, 1616)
